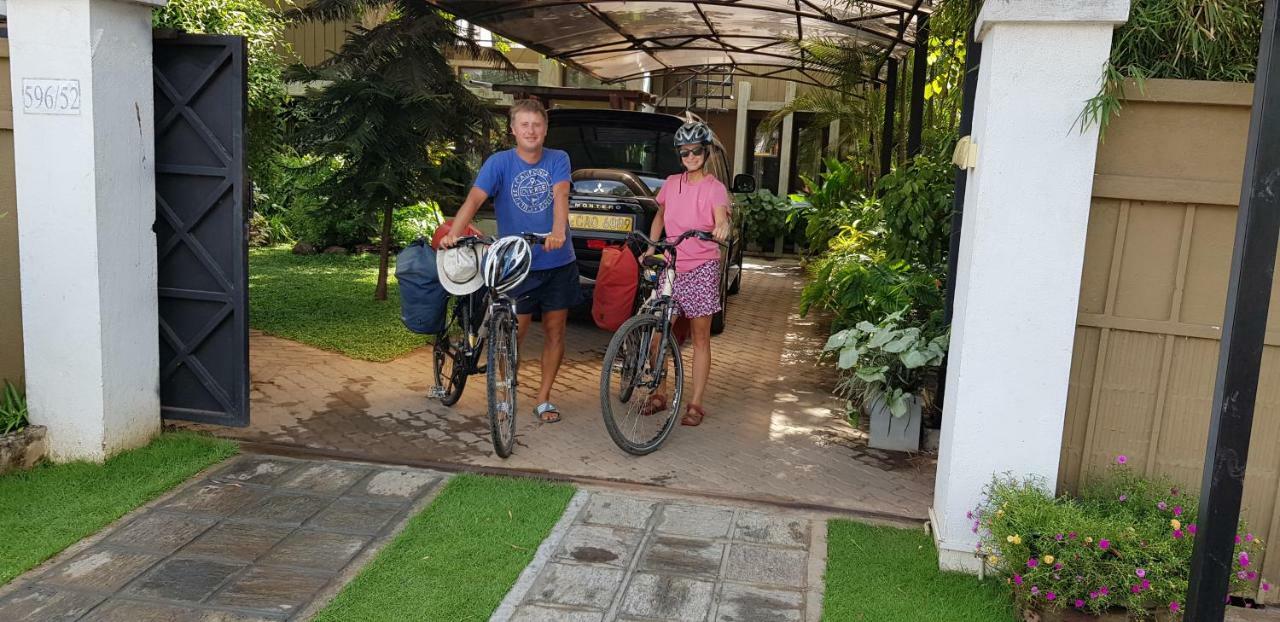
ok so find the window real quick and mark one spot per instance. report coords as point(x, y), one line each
point(498, 76)
point(629, 149)
point(580, 79)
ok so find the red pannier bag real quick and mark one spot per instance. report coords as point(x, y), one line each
point(616, 284)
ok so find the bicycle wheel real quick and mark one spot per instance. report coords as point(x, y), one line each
point(451, 369)
point(502, 383)
point(631, 376)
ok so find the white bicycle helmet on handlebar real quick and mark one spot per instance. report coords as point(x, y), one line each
point(507, 263)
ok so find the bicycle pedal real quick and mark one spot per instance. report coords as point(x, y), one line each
point(437, 392)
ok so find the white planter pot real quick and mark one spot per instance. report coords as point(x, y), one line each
point(890, 432)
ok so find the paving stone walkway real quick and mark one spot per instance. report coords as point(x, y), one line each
point(628, 557)
point(260, 538)
point(775, 431)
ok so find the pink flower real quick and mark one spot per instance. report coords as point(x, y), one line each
point(1177, 510)
point(1242, 575)
point(1058, 537)
point(1032, 563)
point(1079, 604)
point(1237, 538)
point(1266, 587)
point(1124, 498)
point(1162, 505)
point(1017, 579)
point(1050, 596)
point(1072, 535)
point(1174, 606)
point(1104, 544)
point(1248, 537)
point(1121, 459)
point(1252, 575)
point(1140, 572)
point(1191, 529)
point(1135, 588)
point(1034, 590)
point(1057, 566)
point(1146, 585)
point(1244, 559)
point(1177, 534)
point(1103, 591)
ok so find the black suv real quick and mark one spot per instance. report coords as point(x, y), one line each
point(620, 159)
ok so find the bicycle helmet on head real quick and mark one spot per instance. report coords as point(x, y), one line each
point(693, 133)
point(507, 263)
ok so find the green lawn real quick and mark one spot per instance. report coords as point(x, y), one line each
point(327, 301)
point(51, 507)
point(458, 558)
point(882, 573)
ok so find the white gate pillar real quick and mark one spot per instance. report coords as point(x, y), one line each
point(85, 166)
point(1018, 278)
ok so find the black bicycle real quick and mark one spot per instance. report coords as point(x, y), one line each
point(642, 354)
point(484, 317)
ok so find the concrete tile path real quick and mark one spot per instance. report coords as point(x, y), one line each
point(623, 556)
point(774, 433)
point(260, 538)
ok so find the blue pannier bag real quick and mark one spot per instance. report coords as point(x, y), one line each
point(422, 297)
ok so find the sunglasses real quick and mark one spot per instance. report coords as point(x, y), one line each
point(698, 151)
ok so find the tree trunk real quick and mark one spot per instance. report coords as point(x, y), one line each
point(384, 255)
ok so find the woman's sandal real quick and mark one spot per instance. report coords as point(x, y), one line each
point(693, 415)
point(542, 410)
point(656, 403)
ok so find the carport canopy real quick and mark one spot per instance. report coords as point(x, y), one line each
point(616, 41)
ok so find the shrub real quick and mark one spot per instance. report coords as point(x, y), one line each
point(13, 409)
point(764, 215)
point(415, 221)
point(1125, 542)
point(887, 360)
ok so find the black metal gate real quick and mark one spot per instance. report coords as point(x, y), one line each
point(202, 206)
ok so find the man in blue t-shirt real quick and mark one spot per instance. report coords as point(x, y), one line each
point(530, 190)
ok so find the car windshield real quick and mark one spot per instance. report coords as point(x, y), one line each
point(630, 149)
point(609, 187)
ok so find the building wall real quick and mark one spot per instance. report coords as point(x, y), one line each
point(10, 298)
point(1153, 294)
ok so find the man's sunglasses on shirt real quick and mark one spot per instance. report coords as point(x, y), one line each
point(698, 151)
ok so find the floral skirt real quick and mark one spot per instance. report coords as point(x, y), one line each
point(697, 292)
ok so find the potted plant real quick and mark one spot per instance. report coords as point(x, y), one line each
point(21, 445)
point(889, 368)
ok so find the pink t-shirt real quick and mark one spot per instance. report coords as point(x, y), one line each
point(692, 206)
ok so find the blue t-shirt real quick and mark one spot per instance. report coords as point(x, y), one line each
point(522, 198)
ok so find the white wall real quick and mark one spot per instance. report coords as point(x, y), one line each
point(86, 203)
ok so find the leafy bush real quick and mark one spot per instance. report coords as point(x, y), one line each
point(1179, 39)
point(915, 209)
point(309, 214)
point(13, 409)
point(885, 360)
point(837, 199)
point(414, 221)
point(765, 215)
point(1125, 542)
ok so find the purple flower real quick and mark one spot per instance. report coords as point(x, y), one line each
point(1057, 566)
point(1017, 579)
point(1146, 585)
point(1248, 537)
point(1072, 535)
point(1102, 591)
point(1177, 534)
point(1058, 537)
point(1104, 544)
point(1141, 572)
point(1034, 590)
point(1124, 498)
point(1242, 575)
point(969, 515)
point(1244, 559)
point(1237, 538)
point(1177, 510)
point(1093, 595)
point(1050, 596)
point(1174, 606)
point(1252, 575)
point(1079, 604)
point(1162, 505)
point(1121, 459)
point(1266, 587)
point(1135, 588)
point(1191, 529)
point(1032, 563)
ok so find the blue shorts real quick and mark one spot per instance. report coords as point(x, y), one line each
point(553, 289)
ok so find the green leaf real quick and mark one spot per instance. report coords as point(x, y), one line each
point(898, 402)
point(848, 358)
point(912, 359)
point(872, 374)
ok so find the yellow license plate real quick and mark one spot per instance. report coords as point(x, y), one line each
point(600, 222)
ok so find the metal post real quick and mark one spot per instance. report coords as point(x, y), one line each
point(886, 141)
point(972, 60)
point(1240, 353)
point(919, 75)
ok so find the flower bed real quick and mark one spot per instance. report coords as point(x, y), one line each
point(1124, 544)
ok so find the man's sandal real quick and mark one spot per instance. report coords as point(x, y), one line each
point(547, 412)
point(693, 415)
point(656, 403)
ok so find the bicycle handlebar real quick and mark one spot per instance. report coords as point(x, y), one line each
point(471, 240)
point(665, 244)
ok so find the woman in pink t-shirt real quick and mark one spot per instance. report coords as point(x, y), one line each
point(695, 200)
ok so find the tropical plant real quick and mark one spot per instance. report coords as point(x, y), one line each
point(1178, 39)
point(262, 26)
point(1125, 541)
point(392, 110)
point(416, 221)
point(915, 207)
point(13, 409)
point(837, 198)
point(765, 215)
point(887, 360)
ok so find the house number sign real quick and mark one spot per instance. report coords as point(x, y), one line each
point(50, 96)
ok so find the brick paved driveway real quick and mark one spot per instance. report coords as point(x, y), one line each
point(773, 433)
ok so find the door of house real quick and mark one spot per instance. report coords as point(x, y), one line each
point(202, 207)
